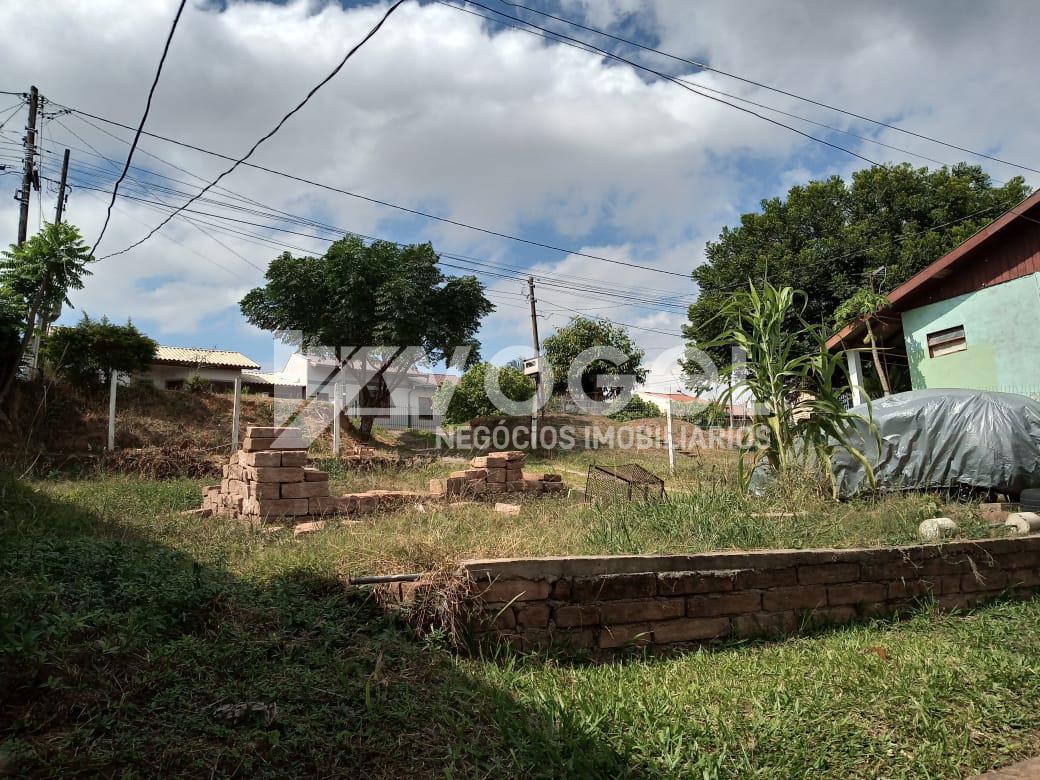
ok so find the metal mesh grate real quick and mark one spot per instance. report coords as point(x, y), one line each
point(630, 482)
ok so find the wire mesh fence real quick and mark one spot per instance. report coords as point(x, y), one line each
point(630, 482)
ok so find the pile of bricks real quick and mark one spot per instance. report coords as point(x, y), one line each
point(363, 456)
point(269, 478)
point(495, 473)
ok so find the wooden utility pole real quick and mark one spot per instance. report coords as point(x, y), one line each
point(29, 145)
point(537, 355)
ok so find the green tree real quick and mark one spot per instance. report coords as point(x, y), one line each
point(469, 398)
point(865, 304)
point(828, 238)
point(583, 333)
point(36, 278)
point(379, 293)
point(90, 351)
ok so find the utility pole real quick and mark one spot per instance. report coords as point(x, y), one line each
point(46, 315)
point(537, 355)
point(59, 210)
point(27, 166)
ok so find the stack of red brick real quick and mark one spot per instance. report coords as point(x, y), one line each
point(495, 473)
point(269, 478)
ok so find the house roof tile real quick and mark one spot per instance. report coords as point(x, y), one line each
point(203, 357)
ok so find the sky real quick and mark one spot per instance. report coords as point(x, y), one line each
point(446, 113)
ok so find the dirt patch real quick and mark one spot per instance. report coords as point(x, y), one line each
point(63, 418)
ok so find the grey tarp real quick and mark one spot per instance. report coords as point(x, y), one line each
point(947, 439)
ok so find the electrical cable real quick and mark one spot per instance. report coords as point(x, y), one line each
point(728, 74)
point(357, 47)
point(388, 204)
point(140, 126)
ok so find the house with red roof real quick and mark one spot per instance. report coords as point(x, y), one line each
point(970, 320)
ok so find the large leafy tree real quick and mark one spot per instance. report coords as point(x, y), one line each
point(583, 333)
point(830, 238)
point(35, 279)
point(89, 352)
point(373, 294)
point(467, 399)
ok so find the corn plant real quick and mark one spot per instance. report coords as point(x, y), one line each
point(800, 417)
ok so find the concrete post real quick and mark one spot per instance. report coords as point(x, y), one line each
point(671, 441)
point(855, 358)
point(112, 411)
point(337, 410)
point(236, 414)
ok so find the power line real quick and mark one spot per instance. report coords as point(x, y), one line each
point(582, 46)
point(901, 238)
point(140, 126)
point(566, 278)
point(14, 110)
point(503, 276)
point(375, 29)
point(615, 322)
point(728, 74)
point(388, 204)
point(632, 63)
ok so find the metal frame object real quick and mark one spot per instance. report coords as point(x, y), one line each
point(630, 482)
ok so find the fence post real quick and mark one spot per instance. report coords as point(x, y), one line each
point(337, 408)
point(671, 441)
point(236, 414)
point(112, 410)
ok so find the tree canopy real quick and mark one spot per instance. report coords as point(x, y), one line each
point(828, 238)
point(35, 279)
point(88, 352)
point(469, 398)
point(583, 333)
point(374, 294)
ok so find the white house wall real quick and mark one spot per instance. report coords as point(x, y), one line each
point(160, 375)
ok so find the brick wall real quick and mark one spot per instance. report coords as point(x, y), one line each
point(606, 602)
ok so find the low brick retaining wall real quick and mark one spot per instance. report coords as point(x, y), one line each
point(605, 602)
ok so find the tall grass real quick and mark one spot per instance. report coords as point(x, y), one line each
point(134, 640)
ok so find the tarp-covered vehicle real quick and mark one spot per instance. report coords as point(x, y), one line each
point(946, 440)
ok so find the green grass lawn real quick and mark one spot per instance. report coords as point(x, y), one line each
point(137, 641)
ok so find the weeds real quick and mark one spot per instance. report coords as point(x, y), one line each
point(134, 640)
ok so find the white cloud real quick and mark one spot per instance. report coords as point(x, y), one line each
point(501, 130)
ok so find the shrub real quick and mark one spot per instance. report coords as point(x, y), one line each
point(470, 399)
point(88, 352)
point(636, 409)
point(197, 384)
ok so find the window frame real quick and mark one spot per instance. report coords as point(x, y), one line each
point(947, 341)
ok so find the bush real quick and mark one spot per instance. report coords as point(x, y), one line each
point(197, 384)
point(88, 352)
point(636, 409)
point(470, 400)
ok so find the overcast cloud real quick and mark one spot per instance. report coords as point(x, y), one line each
point(496, 128)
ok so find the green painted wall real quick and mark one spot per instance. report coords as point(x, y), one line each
point(1002, 330)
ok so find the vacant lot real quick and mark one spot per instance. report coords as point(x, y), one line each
point(137, 639)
